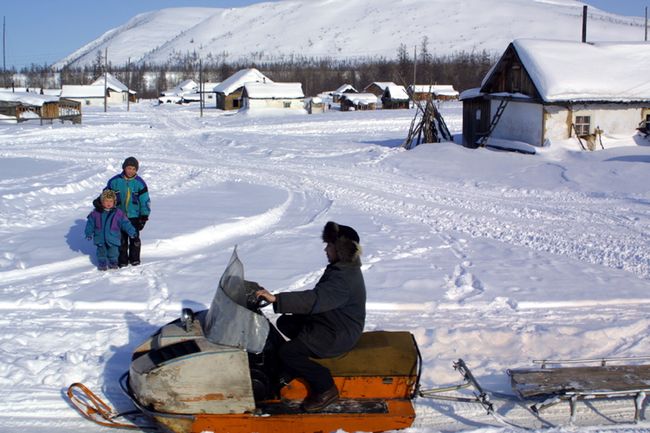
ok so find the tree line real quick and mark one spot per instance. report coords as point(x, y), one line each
point(461, 69)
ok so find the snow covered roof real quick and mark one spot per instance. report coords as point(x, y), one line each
point(112, 83)
point(239, 78)
point(27, 98)
point(396, 92)
point(474, 92)
point(77, 91)
point(381, 84)
point(274, 90)
point(435, 89)
point(575, 71)
point(360, 98)
point(345, 88)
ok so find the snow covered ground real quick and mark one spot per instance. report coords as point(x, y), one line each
point(497, 258)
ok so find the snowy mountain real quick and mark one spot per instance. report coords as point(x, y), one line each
point(344, 29)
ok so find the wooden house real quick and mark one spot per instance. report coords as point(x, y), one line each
point(22, 106)
point(542, 91)
point(395, 97)
point(358, 101)
point(430, 92)
point(378, 87)
point(273, 95)
point(346, 88)
point(229, 93)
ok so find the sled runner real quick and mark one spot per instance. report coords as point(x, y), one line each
point(550, 386)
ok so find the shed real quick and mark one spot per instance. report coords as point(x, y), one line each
point(544, 90)
point(229, 91)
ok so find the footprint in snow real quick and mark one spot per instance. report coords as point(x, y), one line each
point(462, 285)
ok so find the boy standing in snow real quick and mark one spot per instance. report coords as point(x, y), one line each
point(133, 199)
point(105, 225)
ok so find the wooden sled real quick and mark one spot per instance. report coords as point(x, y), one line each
point(553, 385)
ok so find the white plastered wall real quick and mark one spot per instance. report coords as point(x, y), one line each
point(294, 104)
point(520, 121)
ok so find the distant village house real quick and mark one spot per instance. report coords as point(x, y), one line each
point(395, 97)
point(429, 92)
point(18, 107)
point(229, 92)
point(358, 101)
point(114, 91)
point(378, 87)
point(273, 95)
point(345, 88)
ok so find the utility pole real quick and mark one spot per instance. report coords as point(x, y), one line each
point(201, 86)
point(584, 24)
point(646, 24)
point(128, 84)
point(105, 79)
point(4, 39)
point(415, 64)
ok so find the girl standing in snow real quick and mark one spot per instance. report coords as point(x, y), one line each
point(105, 225)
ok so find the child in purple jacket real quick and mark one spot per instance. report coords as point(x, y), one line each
point(105, 225)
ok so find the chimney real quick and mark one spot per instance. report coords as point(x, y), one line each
point(584, 24)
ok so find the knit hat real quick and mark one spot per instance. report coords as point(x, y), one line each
point(345, 239)
point(108, 195)
point(130, 162)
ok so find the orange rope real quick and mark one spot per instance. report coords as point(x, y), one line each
point(93, 408)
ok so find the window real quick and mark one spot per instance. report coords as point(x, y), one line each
point(235, 103)
point(583, 125)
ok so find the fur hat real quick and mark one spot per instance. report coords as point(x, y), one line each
point(345, 239)
point(130, 162)
point(108, 195)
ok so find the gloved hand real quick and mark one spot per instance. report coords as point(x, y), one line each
point(141, 222)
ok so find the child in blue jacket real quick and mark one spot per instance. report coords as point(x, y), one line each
point(105, 225)
point(133, 199)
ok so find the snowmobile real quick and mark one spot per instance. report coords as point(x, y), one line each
point(213, 371)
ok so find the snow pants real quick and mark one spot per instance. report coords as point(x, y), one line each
point(130, 247)
point(294, 355)
point(107, 255)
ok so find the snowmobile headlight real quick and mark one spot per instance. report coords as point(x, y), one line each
point(187, 319)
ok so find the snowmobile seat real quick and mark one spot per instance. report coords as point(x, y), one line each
point(378, 353)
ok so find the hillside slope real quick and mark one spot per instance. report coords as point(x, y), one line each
point(344, 29)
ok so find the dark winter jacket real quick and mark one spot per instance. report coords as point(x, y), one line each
point(132, 195)
point(105, 226)
point(336, 309)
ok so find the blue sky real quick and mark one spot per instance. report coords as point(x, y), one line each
point(44, 31)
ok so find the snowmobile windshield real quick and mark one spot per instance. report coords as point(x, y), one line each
point(229, 321)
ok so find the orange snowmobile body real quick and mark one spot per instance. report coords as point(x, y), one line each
point(376, 383)
point(215, 372)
